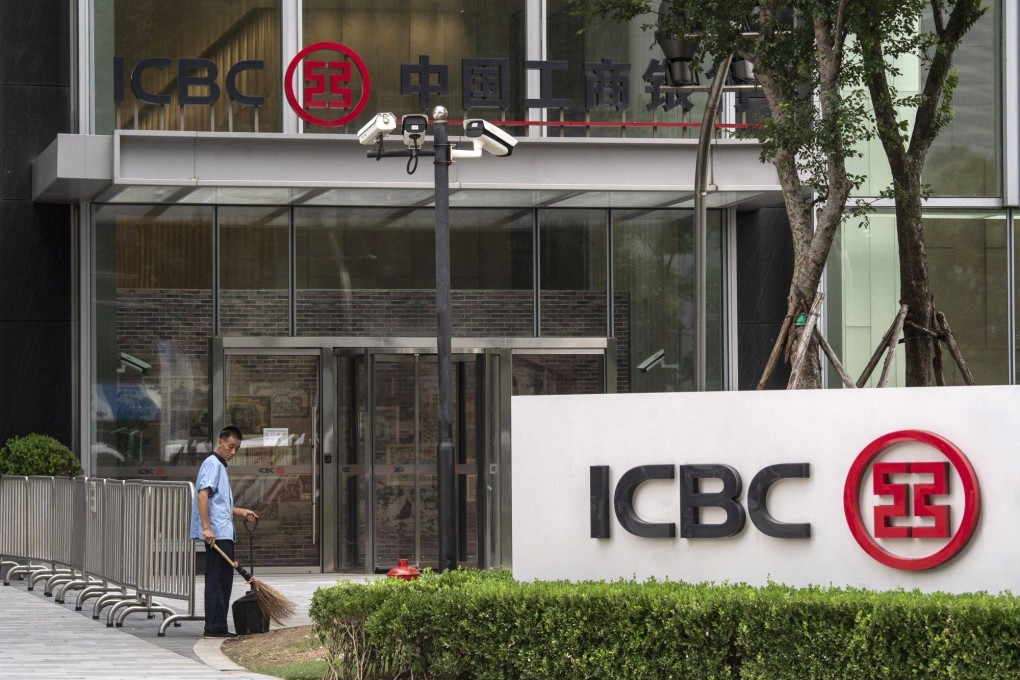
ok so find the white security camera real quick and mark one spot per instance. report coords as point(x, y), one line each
point(489, 137)
point(414, 125)
point(652, 359)
point(377, 128)
point(127, 361)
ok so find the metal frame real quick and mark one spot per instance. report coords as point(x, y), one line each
point(1010, 104)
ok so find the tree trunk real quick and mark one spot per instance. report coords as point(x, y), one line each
point(914, 289)
point(806, 280)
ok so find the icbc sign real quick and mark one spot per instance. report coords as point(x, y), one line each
point(902, 488)
point(328, 83)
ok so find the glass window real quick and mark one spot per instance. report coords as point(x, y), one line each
point(430, 42)
point(558, 374)
point(612, 59)
point(968, 279)
point(224, 33)
point(653, 299)
point(573, 273)
point(254, 271)
point(372, 272)
point(153, 321)
point(964, 159)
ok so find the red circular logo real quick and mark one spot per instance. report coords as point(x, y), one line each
point(327, 84)
point(280, 470)
point(928, 479)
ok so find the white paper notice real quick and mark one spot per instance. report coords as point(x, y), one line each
point(275, 436)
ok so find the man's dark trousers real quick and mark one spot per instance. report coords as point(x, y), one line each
point(219, 578)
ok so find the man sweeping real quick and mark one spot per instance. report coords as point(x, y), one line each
point(212, 521)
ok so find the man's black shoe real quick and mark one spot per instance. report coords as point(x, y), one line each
point(220, 634)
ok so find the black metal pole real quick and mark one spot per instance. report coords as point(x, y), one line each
point(444, 451)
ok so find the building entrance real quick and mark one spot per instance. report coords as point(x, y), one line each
point(397, 423)
point(341, 439)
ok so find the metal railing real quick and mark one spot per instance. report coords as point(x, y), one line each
point(13, 530)
point(125, 542)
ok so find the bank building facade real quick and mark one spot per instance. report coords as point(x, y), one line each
point(193, 237)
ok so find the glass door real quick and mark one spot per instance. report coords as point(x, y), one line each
point(274, 399)
point(405, 435)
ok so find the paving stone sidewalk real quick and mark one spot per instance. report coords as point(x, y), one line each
point(40, 639)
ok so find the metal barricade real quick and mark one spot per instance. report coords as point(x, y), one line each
point(126, 542)
point(97, 514)
point(129, 548)
point(112, 530)
point(13, 531)
point(166, 553)
point(69, 537)
point(38, 521)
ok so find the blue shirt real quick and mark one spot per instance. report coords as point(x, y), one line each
point(213, 476)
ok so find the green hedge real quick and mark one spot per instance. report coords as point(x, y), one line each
point(472, 624)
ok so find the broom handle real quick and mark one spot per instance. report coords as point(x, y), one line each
point(251, 542)
point(236, 565)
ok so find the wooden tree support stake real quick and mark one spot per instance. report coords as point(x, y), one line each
point(893, 343)
point(778, 347)
point(834, 360)
point(870, 368)
point(922, 329)
point(954, 349)
point(797, 363)
point(936, 357)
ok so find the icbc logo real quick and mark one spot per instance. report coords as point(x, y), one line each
point(328, 82)
point(903, 498)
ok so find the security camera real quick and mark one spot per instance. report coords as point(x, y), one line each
point(491, 138)
point(653, 359)
point(414, 125)
point(127, 361)
point(377, 128)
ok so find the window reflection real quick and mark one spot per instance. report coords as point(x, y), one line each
point(222, 31)
point(622, 44)
point(390, 33)
point(968, 279)
point(964, 159)
point(371, 272)
point(254, 271)
point(653, 282)
point(154, 317)
point(573, 273)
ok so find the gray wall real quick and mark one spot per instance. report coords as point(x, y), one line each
point(764, 271)
point(36, 242)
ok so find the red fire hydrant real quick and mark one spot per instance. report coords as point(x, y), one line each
point(403, 570)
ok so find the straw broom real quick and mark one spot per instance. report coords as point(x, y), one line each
point(274, 604)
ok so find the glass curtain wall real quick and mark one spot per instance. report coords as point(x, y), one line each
point(573, 277)
point(965, 159)
point(254, 271)
point(600, 75)
point(372, 272)
point(467, 56)
point(150, 38)
point(153, 321)
point(653, 284)
point(967, 267)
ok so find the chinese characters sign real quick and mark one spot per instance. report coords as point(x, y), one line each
point(335, 84)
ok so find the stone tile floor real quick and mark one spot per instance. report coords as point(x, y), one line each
point(42, 639)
